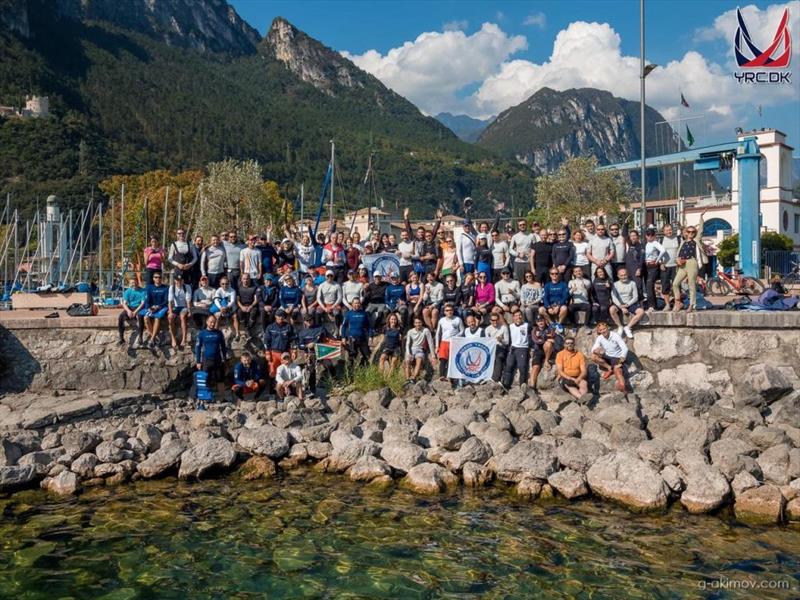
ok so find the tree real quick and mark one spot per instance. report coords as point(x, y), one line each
point(578, 190)
point(770, 240)
point(233, 195)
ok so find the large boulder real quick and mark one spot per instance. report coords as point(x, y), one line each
point(579, 454)
point(690, 432)
point(761, 505)
point(624, 477)
point(472, 450)
point(150, 435)
point(163, 459)
point(706, 488)
point(475, 475)
point(526, 459)
point(266, 440)
point(616, 414)
point(257, 467)
point(63, 484)
point(498, 439)
point(402, 456)
point(429, 478)
point(399, 432)
point(372, 400)
point(689, 376)
point(570, 484)
point(347, 449)
point(113, 451)
point(656, 452)
point(732, 456)
point(15, 477)
point(664, 344)
point(442, 432)
point(785, 411)
point(368, 468)
point(41, 460)
point(768, 381)
point(10, 453)
point(84, 465)
point(775, 464)
point(76, 443)
point(742, 482)
point(213, 454)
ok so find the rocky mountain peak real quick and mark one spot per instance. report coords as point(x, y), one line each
point(310, 60)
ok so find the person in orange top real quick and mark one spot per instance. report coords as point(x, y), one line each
point(571, 371)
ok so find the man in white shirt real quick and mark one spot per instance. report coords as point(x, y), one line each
point(506, 292)
point(609, 353)
point(601, 251)
point(498, 330)
point(180, 304)
point(518, 358)
point(465, 247)
point(501, 257)
point(625, 296)
point(250, 259)
point(406, 252)
point(520, 249)
point(449, 326)
point(289, 378)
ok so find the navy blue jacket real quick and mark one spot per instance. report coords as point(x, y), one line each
point(156, 295)
point(278, 338)
point(393, 293)
point(555, 294)
point(355, 324)
point(242, 374)
point(290, 296)
point(210, 346)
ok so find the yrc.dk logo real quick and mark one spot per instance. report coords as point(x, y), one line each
point(763, 66)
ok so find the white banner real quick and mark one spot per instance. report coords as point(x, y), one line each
point(384, 263)
point(471, 359)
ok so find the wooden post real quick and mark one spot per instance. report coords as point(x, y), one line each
point(164, 226)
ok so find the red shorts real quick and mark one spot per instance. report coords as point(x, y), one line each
point(248, 389)
point(273, 362)
point(444, 350)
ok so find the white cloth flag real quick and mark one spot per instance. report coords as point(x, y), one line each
point(471, 359)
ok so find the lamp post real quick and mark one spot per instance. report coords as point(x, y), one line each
point(645, 70)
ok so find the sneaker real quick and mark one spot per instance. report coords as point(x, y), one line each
point(628, 332)
point(606, 375)
point(151, 345)
point(620, 330)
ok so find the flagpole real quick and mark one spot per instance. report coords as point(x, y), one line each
point(642, 75)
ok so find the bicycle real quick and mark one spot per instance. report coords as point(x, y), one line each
point(793, 276)
point(723, 284)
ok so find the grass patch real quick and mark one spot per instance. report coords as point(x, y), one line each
point(366, 378)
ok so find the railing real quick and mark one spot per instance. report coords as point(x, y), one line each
point(779, 261)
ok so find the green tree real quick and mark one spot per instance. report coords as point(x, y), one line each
point(770, 240)
point(577, 190)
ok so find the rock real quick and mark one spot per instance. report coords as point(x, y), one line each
point(523, 425)
point(656, 452)
point(472, 450)
point(64, 484)
point(429, 478)
point(84, 465)
point(528, 488)
point(625, 436)
point(150, 435)
point(766, 380)
point(368, 468)
point(690, 376)
point(663, 345)
point(298, 454)
point(107, 469)
point(596, 432)
point(739, 343)
point(166, 457)
point(499, 440)
point(374, 399)
point(476, 475)
point(14, 477)
point(742, 482)
point(399, 432)
point(213, 454)
point(462, 416)
point(442, 432)
point(347, 449)
point(319, 450)
point(579, 454)
point(257, 467)
point(10, 453)
point(40, 460)
point(27, 440)
point(570, 484)
point(546, 420)
point(113, 451)
point(50, 441)
point(672, 477)
point(266, 440)
point(785, 411)
point(381, 483)
point(618, 414)
point(732, 456)
point(706, 488)
point(526, 459)
point(402, 456)
point(690, 432)
point(793, 510)
point(767, 437)
point(775, 463)
point(761, 505)
point(624, 477)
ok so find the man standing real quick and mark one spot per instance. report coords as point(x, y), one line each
point(620, 248)
point(180, 305)
point(601, 250)
point(247, 300)
point(498, 330)
point(465, 247)
point(520, 249)
point(250, 260)
point(213, 263)
point(609, 353)
point(268, 296)
point(210, 354)
point(183, 257)
point(653, 257)
point(233, 254)
point(518, 353)
point(449, 326)
point(375, 300)
point(571, 371)
point(329, 297)
point(278, 338)
point(355, 331)
point(406, 255)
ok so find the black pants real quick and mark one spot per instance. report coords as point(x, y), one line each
point(518, 360)
point(520, 268)
point(653, 273)
point(356, 347)
point(580, 307)
point(600, 313)
point(123, 318)
point(249, 319)
point(233, 278)
point(501, 352)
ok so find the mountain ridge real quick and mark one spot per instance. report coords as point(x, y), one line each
point(465, 127)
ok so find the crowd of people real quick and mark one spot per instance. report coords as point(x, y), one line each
point(528, 286)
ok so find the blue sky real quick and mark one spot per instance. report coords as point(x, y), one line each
point(479, 58)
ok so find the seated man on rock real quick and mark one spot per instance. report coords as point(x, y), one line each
point(247, 377)
point(609, 353)
point(571, 371)
point(289, 378)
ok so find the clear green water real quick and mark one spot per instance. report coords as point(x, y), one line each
point(318, 536)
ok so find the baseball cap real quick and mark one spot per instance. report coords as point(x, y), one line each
point(178, 276)
point(540, 318)
point(328, 272)
point(280, 313)
point(506, 271)
point(285, 355)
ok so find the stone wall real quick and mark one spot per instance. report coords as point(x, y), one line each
point(87, 359)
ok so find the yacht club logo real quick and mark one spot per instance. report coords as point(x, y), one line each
point(473, 359)
point(763, 66)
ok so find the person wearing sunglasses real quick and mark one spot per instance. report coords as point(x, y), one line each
point(183, 257)
point(691, 256)
point(555, 300)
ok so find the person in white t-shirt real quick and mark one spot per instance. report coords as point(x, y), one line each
point(180, 305)
point(289, 378)
point(609, 353)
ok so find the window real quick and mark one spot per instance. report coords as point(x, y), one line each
point(785, 220)
point(797, 223)
point(712, 226)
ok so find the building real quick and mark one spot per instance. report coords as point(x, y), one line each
point(359, 220)
point(35, 107)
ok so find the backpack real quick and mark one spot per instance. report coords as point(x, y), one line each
point(81, 310)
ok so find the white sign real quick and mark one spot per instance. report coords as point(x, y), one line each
point(471, 359)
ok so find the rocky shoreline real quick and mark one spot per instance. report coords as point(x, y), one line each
point(644, 450)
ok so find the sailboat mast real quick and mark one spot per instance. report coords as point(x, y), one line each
point(333, 178)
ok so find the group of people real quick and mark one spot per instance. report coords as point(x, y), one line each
point(524, 288)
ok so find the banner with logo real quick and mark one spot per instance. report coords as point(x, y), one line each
point(328, 350)
point(471, 359)
point(383, 263)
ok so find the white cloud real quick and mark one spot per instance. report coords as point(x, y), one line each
point(537, 19)
point(432, 69)
point(460, 25)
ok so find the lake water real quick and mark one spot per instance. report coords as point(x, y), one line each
point(321, 536)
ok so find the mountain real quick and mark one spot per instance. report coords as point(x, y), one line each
point(551, 127)
point(146, 84)
point(465, 127)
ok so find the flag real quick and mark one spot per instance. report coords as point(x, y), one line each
point(383, 263)
point(471, 359)
point(328, 350)
point(683, 101)
point(689, 137)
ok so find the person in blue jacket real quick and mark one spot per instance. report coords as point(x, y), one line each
point(290, 298)
point(210, 352)
point(355, 331)
point(268, 298)
point(555, 300)
point(395, 297)
point(157, 304)
point(247, 377)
